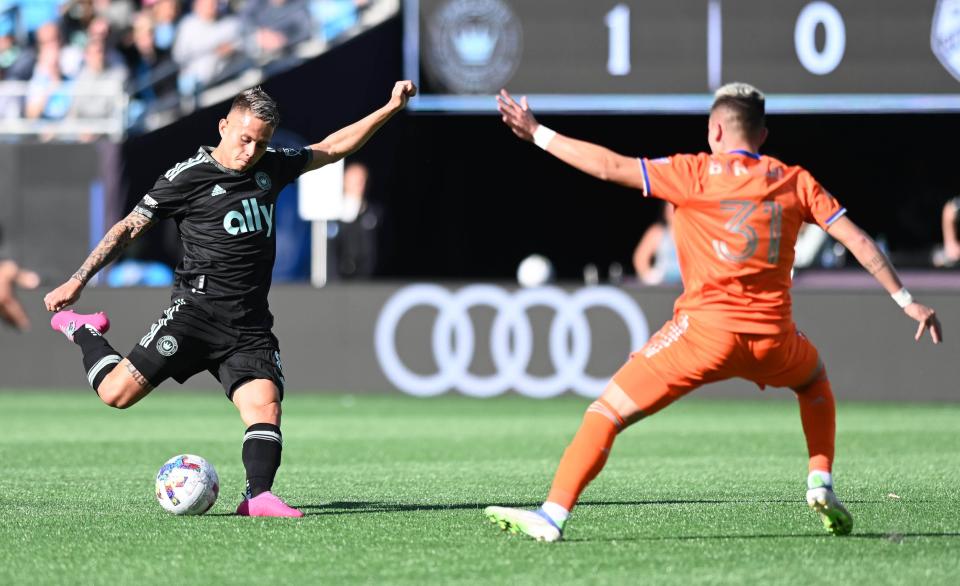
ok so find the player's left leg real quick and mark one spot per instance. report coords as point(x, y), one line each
point(791, 360)
point(115, 380)
point(818, 416)
point(253, 378)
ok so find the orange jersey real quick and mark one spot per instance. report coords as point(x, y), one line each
point(736, 223)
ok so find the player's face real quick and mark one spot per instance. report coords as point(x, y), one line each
point(243, 139)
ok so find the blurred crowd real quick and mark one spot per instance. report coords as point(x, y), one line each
point(75, 56)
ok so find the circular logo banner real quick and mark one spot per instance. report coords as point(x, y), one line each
point(453, 339)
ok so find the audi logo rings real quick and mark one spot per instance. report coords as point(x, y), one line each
point(453, 339)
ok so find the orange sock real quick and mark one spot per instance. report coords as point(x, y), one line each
point(818, 414)
point(586, 454)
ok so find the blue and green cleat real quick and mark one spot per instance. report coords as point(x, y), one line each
point(535, 524)
point(835, 517)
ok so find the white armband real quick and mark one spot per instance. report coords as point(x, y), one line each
point(902, 297)
point(542, 136)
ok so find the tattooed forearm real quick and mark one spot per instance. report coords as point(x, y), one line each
point(876, 264)
point(141, 380)
point(112, 244)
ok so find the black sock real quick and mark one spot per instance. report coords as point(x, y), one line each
point(262, 444)
point(99, 358)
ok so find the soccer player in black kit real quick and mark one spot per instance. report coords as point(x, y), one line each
point(223, 201)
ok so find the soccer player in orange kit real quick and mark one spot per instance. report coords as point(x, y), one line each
point(737, 218)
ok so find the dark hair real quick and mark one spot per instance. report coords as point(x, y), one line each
point(259, 103)
point(745, 105)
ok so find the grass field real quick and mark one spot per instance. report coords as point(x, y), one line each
point(707, 492)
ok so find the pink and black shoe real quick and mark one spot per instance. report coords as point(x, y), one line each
point(69, 321)
point(266, 504)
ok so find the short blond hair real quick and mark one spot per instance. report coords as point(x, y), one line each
point(745, 106)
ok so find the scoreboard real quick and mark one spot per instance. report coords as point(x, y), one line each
point(662, 56)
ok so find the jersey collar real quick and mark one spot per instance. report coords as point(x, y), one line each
point(745, 153)
point(206, 152)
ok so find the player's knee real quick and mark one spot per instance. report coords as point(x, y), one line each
point(114, 392)
point(113, 396)
point(262, 413)
point(622, 409)
point(272, 410)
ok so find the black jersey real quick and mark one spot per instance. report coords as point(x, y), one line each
point(226, 221)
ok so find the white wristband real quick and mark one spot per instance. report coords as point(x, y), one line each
point(542, 136)
point(902, 297)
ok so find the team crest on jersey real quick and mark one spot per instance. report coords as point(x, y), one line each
point(945, 35)
point(167, 346)
point(263, 180)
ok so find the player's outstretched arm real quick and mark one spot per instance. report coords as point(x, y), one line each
point(876, 262)
point(117, 238)
point(349, 139)
point(590, 158)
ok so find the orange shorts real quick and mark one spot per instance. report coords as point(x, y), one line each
point(686, 354)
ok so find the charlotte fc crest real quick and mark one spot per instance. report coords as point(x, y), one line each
point(945, 35)
point(473, 46)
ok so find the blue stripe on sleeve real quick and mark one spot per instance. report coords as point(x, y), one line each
point(646, 177)
point(836, 216)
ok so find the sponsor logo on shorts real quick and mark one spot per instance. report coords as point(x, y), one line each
point(663, 339)
point(167, 346)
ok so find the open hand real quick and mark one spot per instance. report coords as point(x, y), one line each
point(928, 320)
point(517, 116)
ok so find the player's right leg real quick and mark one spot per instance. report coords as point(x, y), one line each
point(114, 379)
point(583, 459)
point(678, 354)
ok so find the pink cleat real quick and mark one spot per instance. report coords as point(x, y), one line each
point(266, 504)
point(69, 321)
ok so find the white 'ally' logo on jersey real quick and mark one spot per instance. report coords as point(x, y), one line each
point(252, 219)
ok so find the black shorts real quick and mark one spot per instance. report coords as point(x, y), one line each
point(186, 340)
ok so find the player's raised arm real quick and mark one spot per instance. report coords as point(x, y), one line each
point(116, 239)
point(350, 138)
point(866, 251)
point(590, 158)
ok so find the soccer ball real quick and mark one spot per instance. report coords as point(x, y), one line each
point(534, 271)
point(187, 485)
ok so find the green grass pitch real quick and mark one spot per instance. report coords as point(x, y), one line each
point(707, 492)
